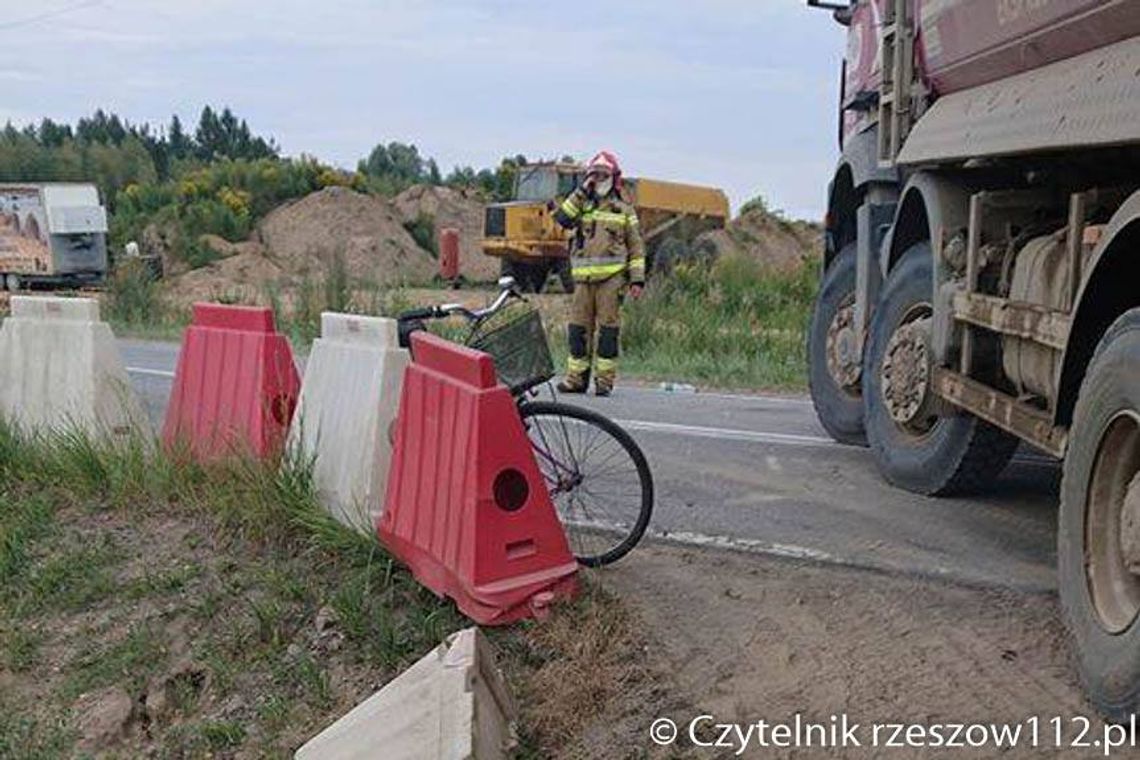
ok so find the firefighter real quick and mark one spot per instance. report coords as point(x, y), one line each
point(607, 255)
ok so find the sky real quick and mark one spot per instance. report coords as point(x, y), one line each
point(740, 94)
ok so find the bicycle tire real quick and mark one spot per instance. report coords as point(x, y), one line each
point(632, 532)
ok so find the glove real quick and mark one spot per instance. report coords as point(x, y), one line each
point(635, 290)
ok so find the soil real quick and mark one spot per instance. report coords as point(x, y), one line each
point(796, 637)
point(306, 237)
point(776, 242)
point(458, 209)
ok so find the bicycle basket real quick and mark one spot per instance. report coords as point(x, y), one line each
point(516, 340)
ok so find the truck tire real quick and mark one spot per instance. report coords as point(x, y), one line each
point(919, 442)
point(834, 372)
point(1098, 536)
point(530, 276)
point(668, 254)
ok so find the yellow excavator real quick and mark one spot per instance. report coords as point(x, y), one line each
point(532, 246)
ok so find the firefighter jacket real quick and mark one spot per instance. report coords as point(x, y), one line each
point(607, 239)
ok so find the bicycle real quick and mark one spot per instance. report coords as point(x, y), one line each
point(597, 475)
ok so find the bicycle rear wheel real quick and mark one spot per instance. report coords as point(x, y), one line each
point(597, 475)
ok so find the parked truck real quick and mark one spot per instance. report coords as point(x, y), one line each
point(531, 245)
point(981, 275)
point(51, 234)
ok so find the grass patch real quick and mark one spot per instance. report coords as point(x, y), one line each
point(227, 604)
point(732, 324)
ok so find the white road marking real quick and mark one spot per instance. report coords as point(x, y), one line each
point(730, 434)
point(688, 538)
point(150, 372)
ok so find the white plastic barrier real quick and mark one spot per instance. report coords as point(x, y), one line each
point(349, 397)
point(60, 368)
point(451, 705)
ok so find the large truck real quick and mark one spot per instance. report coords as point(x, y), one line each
point(51, 234)
point(981, 275)
point(531, 245)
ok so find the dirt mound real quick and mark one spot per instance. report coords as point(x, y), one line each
point(449, 207)
point(772, 240)
point(241, 278)
point(306, 237)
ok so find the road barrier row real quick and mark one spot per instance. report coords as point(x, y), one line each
point(458, 496)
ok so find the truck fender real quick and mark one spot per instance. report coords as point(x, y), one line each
point(931, 208)
point(858, 168)
point(1108, 289)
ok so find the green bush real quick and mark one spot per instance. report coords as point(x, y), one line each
point(422, 230)
point(133, 295)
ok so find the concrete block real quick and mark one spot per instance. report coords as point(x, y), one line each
point(60, 367)
point(348, 402)
point(451, 705)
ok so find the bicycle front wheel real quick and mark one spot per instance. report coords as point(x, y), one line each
point(597, 476)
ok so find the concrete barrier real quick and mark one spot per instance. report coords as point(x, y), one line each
point(451, 705)
point(60, 368)
point(348, 401)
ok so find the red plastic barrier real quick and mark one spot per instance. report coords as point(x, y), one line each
point(449, 254)
point(235, 387)
point(467, 508)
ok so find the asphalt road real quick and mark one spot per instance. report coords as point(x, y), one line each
point(757, 473)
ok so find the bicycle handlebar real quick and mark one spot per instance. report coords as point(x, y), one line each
point(506, 293)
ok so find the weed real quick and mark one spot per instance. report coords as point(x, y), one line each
point(129, 661)
point(133, 295)
point(20, 649)
point(222, 734)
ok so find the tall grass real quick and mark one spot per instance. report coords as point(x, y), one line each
point(733, 324)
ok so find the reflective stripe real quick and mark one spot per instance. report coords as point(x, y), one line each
point(606, 366)
point(570, 209)
point(590, 261)
point(631, 220)
point(578, 366)
point(604, 271)
point(637, 270)
point(606, 217)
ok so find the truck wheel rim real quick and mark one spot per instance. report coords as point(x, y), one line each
point(1112, 525)
point(843, 349)
point(906, 373)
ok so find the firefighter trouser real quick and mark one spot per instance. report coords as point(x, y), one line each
point(596, 308)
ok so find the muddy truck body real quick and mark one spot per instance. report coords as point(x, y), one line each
point(981, 278)
point(52, 234)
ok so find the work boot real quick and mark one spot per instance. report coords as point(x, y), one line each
point(603, 386)
point(573, 383)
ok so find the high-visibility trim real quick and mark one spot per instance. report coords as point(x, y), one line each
point(590, 261)
point(578, 366)
point(631, 220)
point(606, 217)
point(599, 272)
point(570, 208)
point(606, 366)
point(637, 270)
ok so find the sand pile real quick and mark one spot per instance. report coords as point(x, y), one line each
point(241, 278)
point(305, 237)
point(775, 242)
point(450, 207)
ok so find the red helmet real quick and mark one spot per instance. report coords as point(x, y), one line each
point(605, 162)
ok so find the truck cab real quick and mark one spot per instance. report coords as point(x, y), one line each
point(523, 234)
